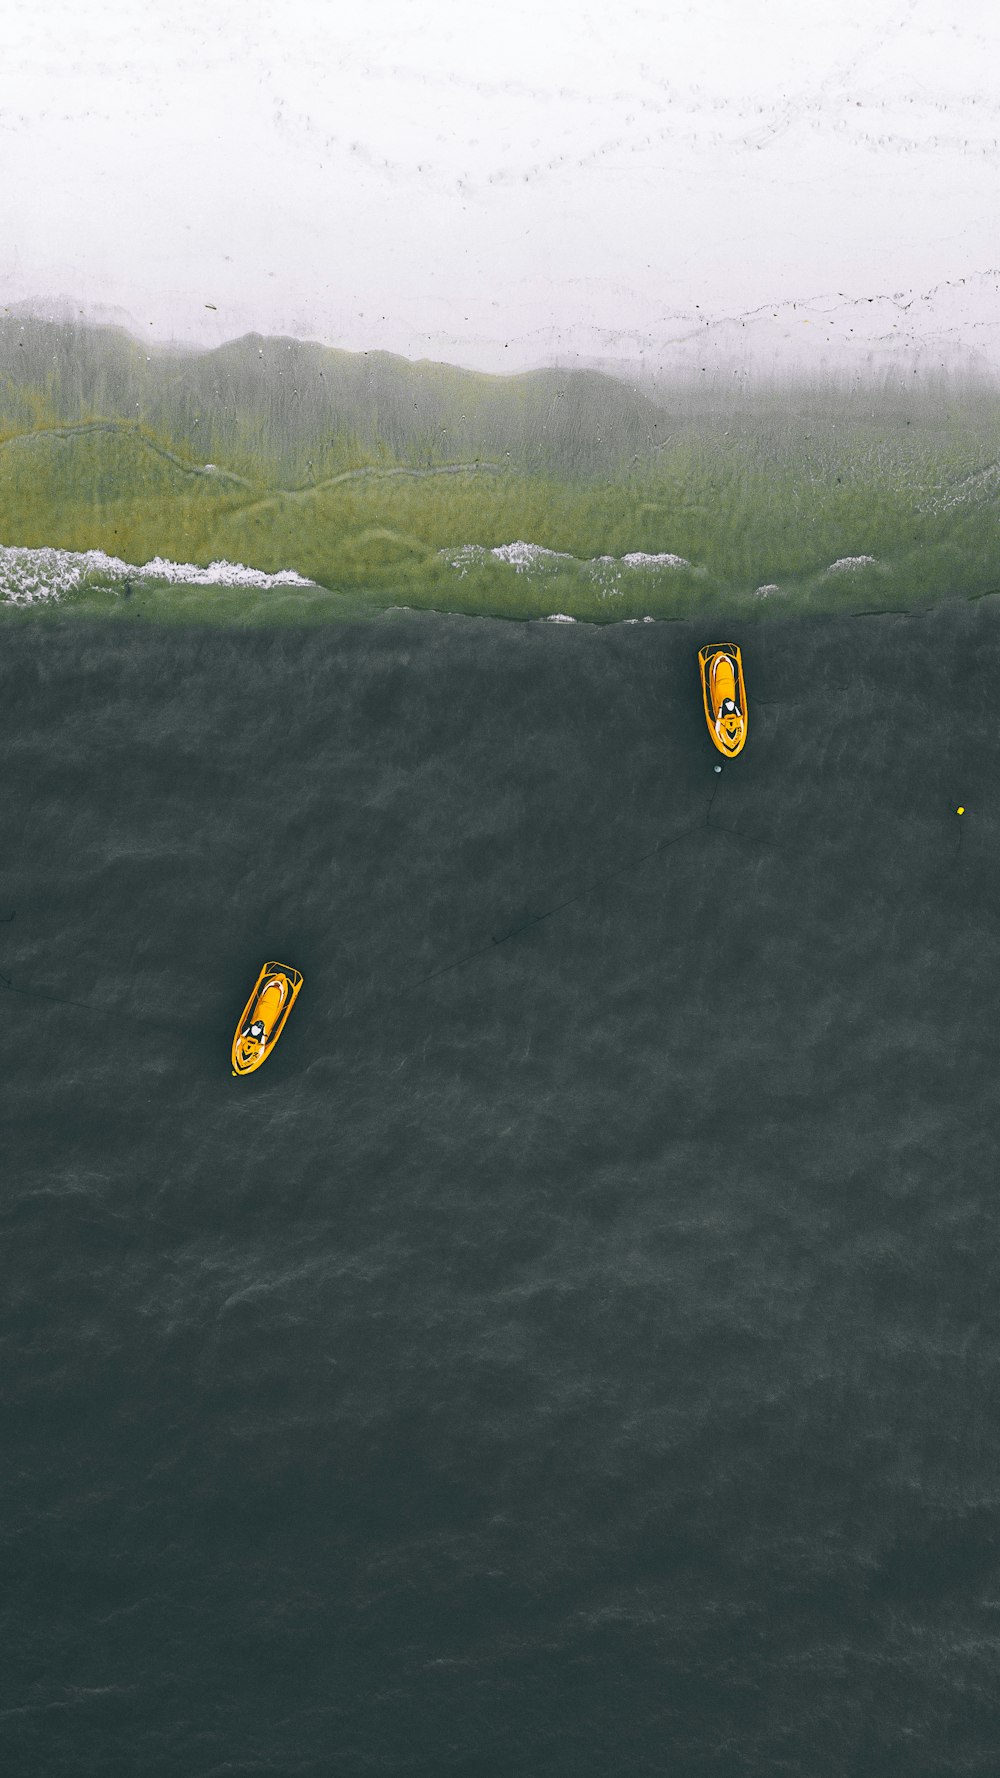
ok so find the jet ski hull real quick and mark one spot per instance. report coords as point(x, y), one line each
point(724, 695)
point(274, 994)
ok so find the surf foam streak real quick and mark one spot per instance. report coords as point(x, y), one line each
point(34, 576)
point(534, 558)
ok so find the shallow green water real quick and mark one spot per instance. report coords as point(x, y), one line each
point(380, 480)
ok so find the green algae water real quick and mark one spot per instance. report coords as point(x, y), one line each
point(574, 1352)
point(553, 493)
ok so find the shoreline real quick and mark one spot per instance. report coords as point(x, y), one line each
point(327, 608)
point(516, 583)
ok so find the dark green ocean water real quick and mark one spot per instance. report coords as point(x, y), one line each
point(579, 1361)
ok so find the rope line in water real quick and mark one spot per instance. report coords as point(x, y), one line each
point(64, 1000)
point(536, 919)
point(608, 877)
point(456, 963)
point(661, 845)
point(738, 833)
point(106, 1012)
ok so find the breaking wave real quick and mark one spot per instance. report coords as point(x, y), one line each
point(844, 564)
point(35, 576)
point(533, 558)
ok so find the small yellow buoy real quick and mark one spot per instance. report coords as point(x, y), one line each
point(960, 810)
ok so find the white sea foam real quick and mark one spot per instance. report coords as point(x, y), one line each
point(769, 586)
point(34, 576)
point(559, 617)
point(31, 576)
point(638, 558)
point(524, 558)
point(847, 562)
point(219, 574)
point(523, 555)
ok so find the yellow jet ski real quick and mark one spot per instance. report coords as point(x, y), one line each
point(264, 1016)
point(725, 696)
